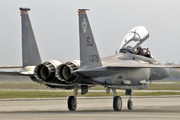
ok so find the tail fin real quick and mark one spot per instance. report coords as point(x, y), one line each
point(30, 52)
point(89, 55)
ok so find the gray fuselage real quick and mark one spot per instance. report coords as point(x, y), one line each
point(135, 75)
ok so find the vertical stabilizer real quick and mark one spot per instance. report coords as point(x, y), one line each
point(30, 52)
point(89, 55)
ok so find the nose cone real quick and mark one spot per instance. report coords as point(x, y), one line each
point(166, 72)
point(159, 73)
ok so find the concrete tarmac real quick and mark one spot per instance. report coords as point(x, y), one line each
point(96, 108)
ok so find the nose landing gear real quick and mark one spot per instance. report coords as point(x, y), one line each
point(129, 103)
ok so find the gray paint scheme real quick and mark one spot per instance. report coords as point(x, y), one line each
point(117, 68)
point(108, 71)
point(122, 71)
point(30, 51)
point(88, 49)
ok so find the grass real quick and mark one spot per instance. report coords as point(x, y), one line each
point(32, 94)
point(15, 90)
point(162, 86)
point(51, 94)
point(32, 85)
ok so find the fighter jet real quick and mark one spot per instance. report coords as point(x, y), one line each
point(127, 70)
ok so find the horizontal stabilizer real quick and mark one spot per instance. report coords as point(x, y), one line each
point(9, 73)
point(8, 67)
point(17, 70)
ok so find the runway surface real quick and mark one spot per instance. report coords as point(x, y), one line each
point(145, 108)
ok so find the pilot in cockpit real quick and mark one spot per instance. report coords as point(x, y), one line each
point(141, 51)
point(134, 39)
point(136, 52)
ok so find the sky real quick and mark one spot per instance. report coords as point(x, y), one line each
point(56, 29)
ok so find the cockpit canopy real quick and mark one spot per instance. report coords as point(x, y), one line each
point(134, 38)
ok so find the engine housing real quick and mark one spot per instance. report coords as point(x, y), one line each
point(46, 71)
point(64, 71)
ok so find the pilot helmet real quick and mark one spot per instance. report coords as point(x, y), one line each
point(139, 48)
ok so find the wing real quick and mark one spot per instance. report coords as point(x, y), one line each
point(114, 68)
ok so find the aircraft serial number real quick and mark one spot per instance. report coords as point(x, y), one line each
point(93, 58)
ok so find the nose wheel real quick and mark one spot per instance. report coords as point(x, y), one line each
point(130, 104)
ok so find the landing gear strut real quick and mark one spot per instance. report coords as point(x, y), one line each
point(72, 103)
point(129, 103)
point(117, 101)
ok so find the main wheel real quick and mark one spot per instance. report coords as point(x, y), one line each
point(130, 104)
point(72, 103)
point(117, 103)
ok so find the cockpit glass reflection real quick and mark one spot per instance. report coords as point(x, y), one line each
point(134, 39)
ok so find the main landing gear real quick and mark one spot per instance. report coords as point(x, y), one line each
point(117, 101)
